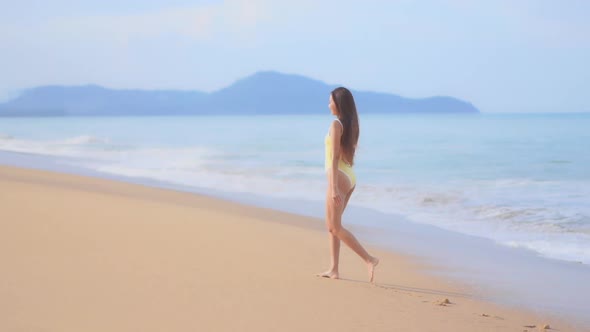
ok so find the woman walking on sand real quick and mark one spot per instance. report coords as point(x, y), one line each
point(341, 144)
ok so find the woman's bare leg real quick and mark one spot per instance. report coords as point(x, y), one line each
point(334, 223)
point(334, 243)
point(350, 240)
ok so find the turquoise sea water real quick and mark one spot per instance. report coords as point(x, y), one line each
point(520, 180)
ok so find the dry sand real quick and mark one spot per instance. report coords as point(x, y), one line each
point(86, 254)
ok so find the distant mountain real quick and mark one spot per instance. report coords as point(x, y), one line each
point(262, 93)
point(96, 100)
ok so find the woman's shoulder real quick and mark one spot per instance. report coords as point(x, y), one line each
point(337, 124)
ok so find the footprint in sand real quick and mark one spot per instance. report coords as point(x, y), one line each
point(443, 303)
point(544, 327)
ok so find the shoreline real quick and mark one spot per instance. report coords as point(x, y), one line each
point(404, 296)
point(509, 276)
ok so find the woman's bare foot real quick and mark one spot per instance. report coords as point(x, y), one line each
point(372, 264)
point(329, 274)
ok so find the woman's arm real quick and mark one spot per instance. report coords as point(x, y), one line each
point(335, 134)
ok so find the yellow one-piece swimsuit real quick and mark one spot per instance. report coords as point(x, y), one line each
point(343, 166)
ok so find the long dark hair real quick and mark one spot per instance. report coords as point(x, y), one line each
point(348, 116)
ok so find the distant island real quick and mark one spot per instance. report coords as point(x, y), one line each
point(266, 92)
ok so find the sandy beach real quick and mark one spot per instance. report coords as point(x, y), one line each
point(88, 254)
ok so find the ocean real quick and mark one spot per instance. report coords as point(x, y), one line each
point(521, 180)
point(500, 201)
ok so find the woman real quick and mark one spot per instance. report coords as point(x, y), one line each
point(341, 144)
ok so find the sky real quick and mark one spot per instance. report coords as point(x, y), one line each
point(500, 55)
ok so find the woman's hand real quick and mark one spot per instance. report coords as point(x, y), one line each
point(336, 197)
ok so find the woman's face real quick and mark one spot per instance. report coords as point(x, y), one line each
point(332, 106)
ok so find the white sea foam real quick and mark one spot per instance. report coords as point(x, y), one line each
point(84, 139)
point(455, 209)
point(471, 208)
point(512, 192)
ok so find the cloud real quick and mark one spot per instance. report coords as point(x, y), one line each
point(151, 48)
point(234, 19)
point(192, 23)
